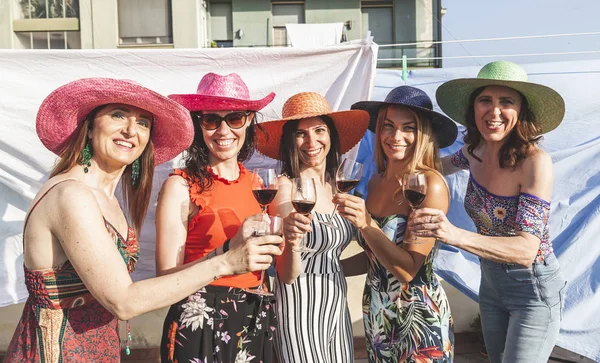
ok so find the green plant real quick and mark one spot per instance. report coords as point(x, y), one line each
point(476, 323)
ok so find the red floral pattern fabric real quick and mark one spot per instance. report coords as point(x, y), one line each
point(62, 321)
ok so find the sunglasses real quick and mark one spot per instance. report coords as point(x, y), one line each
point(212, 121)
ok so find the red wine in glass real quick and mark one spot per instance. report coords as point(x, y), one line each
point(264, 186)
point(414, 198)
point(264, 197)
point(304, 198)
point(346, 185)
point(303, 207)
point(414, 187)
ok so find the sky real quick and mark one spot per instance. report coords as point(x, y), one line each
point(474, 19)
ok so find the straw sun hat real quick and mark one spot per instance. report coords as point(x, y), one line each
point(221, 93)
point(351, 125)
point(547, 105)
point(445, 129)
point(63, 111)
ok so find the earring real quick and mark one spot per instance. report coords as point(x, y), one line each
point(135, 171)
point(86, 156)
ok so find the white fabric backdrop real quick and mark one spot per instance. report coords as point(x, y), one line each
point(343, 74)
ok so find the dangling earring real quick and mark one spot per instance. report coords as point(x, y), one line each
point(86, 156)
point(135, 171)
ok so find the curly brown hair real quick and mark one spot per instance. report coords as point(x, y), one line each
point(519, 142)
point(195, 158)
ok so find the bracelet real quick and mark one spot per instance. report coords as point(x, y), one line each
point(226, 246)
point(211, 254)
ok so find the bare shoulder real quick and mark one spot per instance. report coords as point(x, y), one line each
point(538, 158)
point(438, 195)
point(283, 180)
point(435, 182)
point(537, 174)
point(72, 200)
point(174, 183)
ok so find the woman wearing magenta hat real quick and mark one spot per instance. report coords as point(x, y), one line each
point(312, 310)
point(200, 210)
point(508, 197)
point(405, 310)
point(79, 246)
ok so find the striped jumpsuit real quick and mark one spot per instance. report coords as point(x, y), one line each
point(313, 317)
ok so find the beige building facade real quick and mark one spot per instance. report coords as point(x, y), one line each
point(111, 24)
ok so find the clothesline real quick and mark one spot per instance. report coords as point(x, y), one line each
point(488, 39)
point(490, 56)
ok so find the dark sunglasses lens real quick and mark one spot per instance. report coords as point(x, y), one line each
point(210, 121)
point(235, 120)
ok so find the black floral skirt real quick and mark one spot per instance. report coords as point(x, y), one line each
point(219, 324)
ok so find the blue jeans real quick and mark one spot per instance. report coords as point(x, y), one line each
point(521, 309)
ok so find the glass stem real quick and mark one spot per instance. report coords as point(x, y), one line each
point(262, 279)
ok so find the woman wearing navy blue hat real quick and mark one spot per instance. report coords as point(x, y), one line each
point(405, 310)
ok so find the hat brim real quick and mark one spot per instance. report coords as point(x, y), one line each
point(198, 102)
point(63, 111)
point(444, 128)
point(351, 127)
point(547, 105)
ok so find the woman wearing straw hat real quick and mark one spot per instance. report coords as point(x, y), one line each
point(79, 246)
point(405, 310)
point(310, 288)
point(200, 208)
point(508, 198)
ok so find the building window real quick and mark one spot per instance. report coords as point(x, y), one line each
point(145, 22)
point(47, 24)
point(49, 40)
point(285, 13)
point(49, 9)
point(221, 24)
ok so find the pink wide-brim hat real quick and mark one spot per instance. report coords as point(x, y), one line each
point(63, 111)
point(222, 93)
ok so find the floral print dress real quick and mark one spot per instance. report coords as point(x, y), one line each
point(62, 321)
point(405, 322)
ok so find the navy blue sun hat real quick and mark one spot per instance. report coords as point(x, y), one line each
point(444, 128)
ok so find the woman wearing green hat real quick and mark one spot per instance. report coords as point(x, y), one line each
point(508, 198)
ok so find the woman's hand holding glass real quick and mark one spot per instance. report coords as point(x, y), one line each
point(295, 226)
point(304, 198)
point(433, 223)
point(249, 252)
point(273, 228)
point(353, 209)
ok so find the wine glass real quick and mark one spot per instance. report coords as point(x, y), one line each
point(275, 227)
point(264, 186)
point(347, 176)
point(304, 198)
point(414, 188)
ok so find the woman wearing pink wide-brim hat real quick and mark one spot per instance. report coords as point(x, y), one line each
point(79, 246)
point(202, 212)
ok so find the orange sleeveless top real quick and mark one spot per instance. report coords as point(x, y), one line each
point(223, 208)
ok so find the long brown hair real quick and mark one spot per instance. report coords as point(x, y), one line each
point(136, 197)
point(519, 142)
point(288, 151)
point(426, 155)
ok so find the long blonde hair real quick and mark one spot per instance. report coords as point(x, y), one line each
point(426, 154)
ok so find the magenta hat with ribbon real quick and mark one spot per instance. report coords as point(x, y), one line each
point(63, 111)
point(221, 93)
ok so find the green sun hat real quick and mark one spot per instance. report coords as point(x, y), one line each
point(547, 105)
